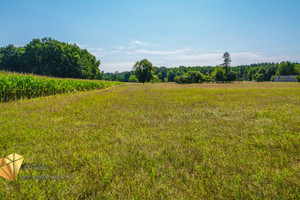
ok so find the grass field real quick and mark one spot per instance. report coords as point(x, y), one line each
point(158, 141)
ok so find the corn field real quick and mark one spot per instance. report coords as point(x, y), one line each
point(19, 86)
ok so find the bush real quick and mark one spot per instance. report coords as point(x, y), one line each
point(218, 74)
point(298, 78)
point(155, 79)
point(190, 77)
point(196, 76)
point(207, 78)
point(185, 78)
point(231, 76)
point(259, 77)
point(272, 78)
point(133, 78)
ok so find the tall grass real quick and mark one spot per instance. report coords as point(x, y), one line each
point(19, 86)
point(158, 141)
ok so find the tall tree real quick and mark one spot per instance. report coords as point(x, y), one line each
point(51, 58)
point(218, 74)
point(286, 68)
point(161, 72)
point(171, 75)
point(10, 58)
point(143, 70)
point(196, 76)
point(226, 64)
point(126, 76)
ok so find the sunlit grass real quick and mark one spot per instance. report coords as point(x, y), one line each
point(158, 141)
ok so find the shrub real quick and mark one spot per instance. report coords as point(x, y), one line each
point(207, 78)
point(218, 74)
point(272, 78)
point(185, 78)
point(259, 77)
point(133, 78)
point(196, 76)
point(231, 76)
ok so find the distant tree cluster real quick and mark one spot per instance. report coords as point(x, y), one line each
point(120, 76)
point(223, 73)
point(255, 72)
point(50, 57)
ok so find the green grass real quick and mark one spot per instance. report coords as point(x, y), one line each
point(14, 86)
point(158, 141)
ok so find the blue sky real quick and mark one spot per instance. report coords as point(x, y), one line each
point(167, 32)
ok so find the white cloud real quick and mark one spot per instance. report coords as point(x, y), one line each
point(122, 58)
point(138, 42)
point(96, 51)
point(134, 44)
point(82, 46)
point(151, 52)
point(116, 66)
point(182, 57)
point(212, 59)
point(241, 58)
point(115, 51)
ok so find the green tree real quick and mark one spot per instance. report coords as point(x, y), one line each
point(250, 74)
point(171, 75)
point(10, 57)
point(263, 71)
point(133, 78)
point(126, 76)
point(258, 77)
point(51, 58)
point(226, 64)
point(231, 76)
point(185, 78)
point(286, 68)
point(270, 72)
point(143, 70)
point(207, 77)
point(155, 79)
point(218, 74)
point(196, 76)
point(297, 68)
point(178, 73)
point(161, 72)
point(114, 77)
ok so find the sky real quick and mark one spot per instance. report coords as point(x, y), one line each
point(168, 33)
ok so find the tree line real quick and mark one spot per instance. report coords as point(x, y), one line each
point(50, 57)
point(223, 73)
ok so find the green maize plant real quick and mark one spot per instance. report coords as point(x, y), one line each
point(19, 86)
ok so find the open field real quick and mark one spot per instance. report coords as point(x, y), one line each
point(158, 141)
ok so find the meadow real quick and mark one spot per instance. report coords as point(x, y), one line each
point(157, 141)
